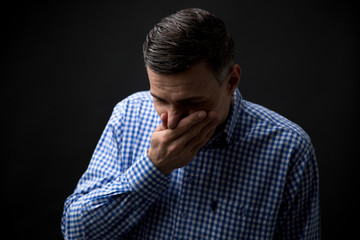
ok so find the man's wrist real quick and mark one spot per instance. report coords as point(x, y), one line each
point(165, 170)
point(145, 178)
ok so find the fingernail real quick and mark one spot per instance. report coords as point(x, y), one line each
point(201, 115)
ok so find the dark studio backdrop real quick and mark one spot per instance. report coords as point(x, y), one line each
point(68, 64)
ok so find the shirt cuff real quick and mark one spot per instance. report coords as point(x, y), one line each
point(146, 179)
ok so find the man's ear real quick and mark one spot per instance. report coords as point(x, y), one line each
point(233, 78)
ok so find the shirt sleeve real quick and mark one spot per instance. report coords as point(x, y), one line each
point(299, 215)
point(114, 193)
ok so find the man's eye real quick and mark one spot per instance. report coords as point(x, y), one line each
point(158, 100)
point(194, 104)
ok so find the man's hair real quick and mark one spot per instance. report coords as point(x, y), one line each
point(188, 37)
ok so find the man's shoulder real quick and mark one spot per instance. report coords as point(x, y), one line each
point(142, 96)
point(139, 104)
point(266, 118)
point(135, 100)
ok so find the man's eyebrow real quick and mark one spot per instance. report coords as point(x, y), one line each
point(157, 97)
point(195, 98)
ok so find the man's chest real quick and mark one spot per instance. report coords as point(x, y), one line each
point(222, 194)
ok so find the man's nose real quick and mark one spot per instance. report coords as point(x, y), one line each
point(174, 117)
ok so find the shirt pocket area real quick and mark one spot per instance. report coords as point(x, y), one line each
point(236, 220)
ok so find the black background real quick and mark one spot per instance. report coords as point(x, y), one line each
point(67, 65)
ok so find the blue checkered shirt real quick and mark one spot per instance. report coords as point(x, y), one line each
point(257, 179)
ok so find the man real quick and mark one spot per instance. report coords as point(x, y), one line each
point(190, 159)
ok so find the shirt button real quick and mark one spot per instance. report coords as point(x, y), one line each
point(243, 211)
point(190, 180)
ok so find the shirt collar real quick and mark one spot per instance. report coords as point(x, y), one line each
point(226, 136)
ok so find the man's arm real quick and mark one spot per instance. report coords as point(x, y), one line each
point(299, 216)
point(114, 192)
point(110, 199)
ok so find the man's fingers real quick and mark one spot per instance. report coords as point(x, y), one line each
point(187, 123)
point(190, 127)
point(199, 132)
point(196, 145)
point(164, 119)
point(205, 134)
point(196, 129)
point(163, 125)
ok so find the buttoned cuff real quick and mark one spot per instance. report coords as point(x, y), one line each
point(146, 179)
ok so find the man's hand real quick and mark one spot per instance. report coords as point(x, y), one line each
point(175, 148)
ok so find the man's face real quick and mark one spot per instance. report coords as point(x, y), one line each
point(186, 92)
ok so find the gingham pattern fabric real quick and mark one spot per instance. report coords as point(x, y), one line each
point(258, 179)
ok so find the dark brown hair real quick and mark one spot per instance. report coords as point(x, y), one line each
point(188, 37)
